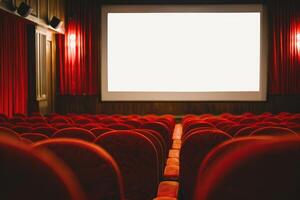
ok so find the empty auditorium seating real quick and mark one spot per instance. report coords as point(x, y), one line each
point(22, 129)
point(78, 133)
point(49, 131)
point(96, 170)
point(36, 119)
point(120, 126)
point(34, 137)
point(156, 159)
point(8, 132)
point(17, 119)
point(3, 118)
point(159, 148)
point(196, 124)
point(59, 119)
point(35, 175)
point(220, 150)
point(6, 124)
point(261, 170)
point(133, 122)
point(100, 130)
point(232, 130)
point(160, 128)
point(137, 158)
point(90, 126)
point(194, 149)
point(246, 131)
point(272, 131)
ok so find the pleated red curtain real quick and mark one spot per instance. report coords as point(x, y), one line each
point(284, 70)
point(78, 67)
point(13, 65)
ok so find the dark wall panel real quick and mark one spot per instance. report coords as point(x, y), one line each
point(91, 104)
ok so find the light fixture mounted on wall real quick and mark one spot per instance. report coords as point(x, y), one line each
point(24, 9)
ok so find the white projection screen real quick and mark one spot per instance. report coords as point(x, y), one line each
point(183, 53)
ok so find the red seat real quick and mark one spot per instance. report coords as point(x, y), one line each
point(261, 170)
point(34, 137)
point(196, 124)
point(81, 120)
point(159, 147)
point(264, 124)
point(59, 119)
point(61, 125)
point(29, 174)
point(272, 131)
point(193, 150)
point(225, 125)
point(90, 126)
point(36, 125)
point(196, 130)
point(167, 120)
point(272, 119)
point(120, 126)
point(108, 120)
point(249, 121)
point(234, 129)
point(225, 147)
point(22, 129)
point(36, 119)
point(100, 131)
point(160, 138)
point(17, 119)
point(78, 133)
point(49, 131)
point(3, 118)
point(294, 119)
point(296, 128)
point(8, 132)
point(161, 129)
point(133, 122)
point(246, 131)
point(21, 115)
point(137, 158)
point(96, 170)
point(6, 124)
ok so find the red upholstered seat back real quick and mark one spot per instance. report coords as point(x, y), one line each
point(161, 128)
point(49, 131)
point(8, 132)
point(34, 137)
point(78, 133)
point(246, 131)
point(261, 170)
point(225, 147)
point(272, 131)
point(96, 170)
point(120, 126)
point(34, 175)
point(194, 149)
point(137, 158)
point(100, 131)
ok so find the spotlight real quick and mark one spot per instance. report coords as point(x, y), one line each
point(24, 10)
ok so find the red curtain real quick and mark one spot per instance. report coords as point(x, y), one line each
point(284, 70)
point(78, 58)
point(13, 65)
